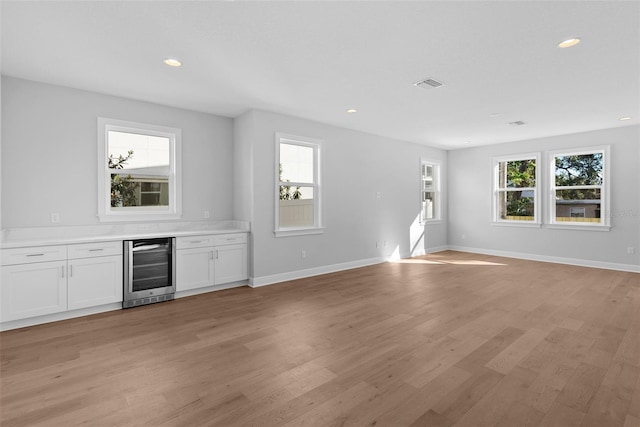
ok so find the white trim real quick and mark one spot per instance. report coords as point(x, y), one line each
point(256, 282)
point(605, 205)
point(422, 252)
point(298, 231)
point(71, 314)
point(436, 164)
point(582, 226)
point(38, 320)
point(174, 211)
point(537, 199)
point(213, 288)
point(544, 258)
point(317, 146)
point(516, 223)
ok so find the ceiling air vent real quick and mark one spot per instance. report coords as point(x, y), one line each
point(428, 83)
point(518, 123)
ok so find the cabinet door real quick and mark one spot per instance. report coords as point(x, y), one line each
point(231, 263)
point(194, 268)
point(36, 289)
point(95, 281)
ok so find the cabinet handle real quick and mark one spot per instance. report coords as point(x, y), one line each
point(195, 241)
point(216, 254)
point(96, 250)
point(35, 255)
point(210, 254)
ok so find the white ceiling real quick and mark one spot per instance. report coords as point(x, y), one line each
point(316, 59)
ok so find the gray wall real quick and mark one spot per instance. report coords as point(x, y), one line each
point(470, 195)
point(355, 167)
point(49, 154)
point(49, 165)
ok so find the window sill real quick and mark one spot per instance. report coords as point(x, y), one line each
point(146, 216)
point(581, 227)
point(431, 222)
point(298, 231)
point(517, 224)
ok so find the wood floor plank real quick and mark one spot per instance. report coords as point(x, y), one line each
point(451, 339)
point(508, 358)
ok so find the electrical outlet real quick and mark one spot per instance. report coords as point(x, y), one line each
point(378, 195)
point(303, 254)
point(205, 214)
point(631, 250)
point(55, 217)
point(377, 244)
point(384, 243)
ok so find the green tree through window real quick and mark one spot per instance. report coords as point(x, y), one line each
point(123, 189)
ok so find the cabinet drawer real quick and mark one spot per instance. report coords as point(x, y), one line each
point(188, 242)
point(34, 254)
point(230, 239)
point(90, 250)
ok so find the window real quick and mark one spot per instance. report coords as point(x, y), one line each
point(298, 192)
point(516, 190)
point(429, 191)
point(138, 171)
point(578, 193)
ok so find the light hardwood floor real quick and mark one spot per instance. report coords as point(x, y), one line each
point(441, 340)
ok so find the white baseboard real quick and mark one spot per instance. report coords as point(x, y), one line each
point(191, 292)
point(32, 321)
point(544, 258)
point(437, 249)
point(255, 282)
point(422, 251)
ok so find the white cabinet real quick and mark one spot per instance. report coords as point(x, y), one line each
point(34, 282)
point(209, 260)
point(33, 289)
point(194, 262)
point(230, 257)
point(87, 277)
point(194, 268)
point(94, 274)
point(37, 281)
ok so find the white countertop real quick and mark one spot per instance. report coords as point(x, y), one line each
point(63, 235)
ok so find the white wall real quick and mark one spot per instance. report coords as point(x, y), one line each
point(470, 187)
point(49, 154)
point(355, 167)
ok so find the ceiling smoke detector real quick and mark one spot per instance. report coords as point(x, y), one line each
point(518, 123)
point(428, 83)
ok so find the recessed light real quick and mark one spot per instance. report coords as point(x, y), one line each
point(465, 142)
point(172, 62)
point(624, 118)
point(568, 43)
point(493, 115)
point(352, 110)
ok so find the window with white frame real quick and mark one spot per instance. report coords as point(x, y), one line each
point(298, 192)
point(516, 198)
point(429, 190)
point(138, 171)
point(579, 183)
